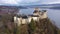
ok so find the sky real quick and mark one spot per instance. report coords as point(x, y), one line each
point(27, 2)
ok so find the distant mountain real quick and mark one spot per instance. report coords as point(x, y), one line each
point(53, 6)
point(10, 9)
point(47, 5)
point(7, 6)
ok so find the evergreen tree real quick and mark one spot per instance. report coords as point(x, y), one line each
point(32, 25)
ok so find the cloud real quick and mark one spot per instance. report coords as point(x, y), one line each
point(49, 1)
point(17, 1)
point(53, 3)
point(29, 1)
point(8, 2)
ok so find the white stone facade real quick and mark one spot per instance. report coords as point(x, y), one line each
point(44, 15)
point(34, 18)
point(20, 20)
point(24, 21)
point(29, 19)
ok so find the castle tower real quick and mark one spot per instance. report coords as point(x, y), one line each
point(36, 11)
point(15, 18)
point(44, 14)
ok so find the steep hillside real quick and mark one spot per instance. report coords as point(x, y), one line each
point(44, 26)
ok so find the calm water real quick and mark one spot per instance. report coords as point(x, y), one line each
point(53, 14)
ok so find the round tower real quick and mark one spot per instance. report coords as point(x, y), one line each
point(36, 11)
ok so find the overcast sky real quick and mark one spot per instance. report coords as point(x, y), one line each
point(27, 2)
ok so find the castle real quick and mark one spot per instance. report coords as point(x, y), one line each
point(37, 14)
